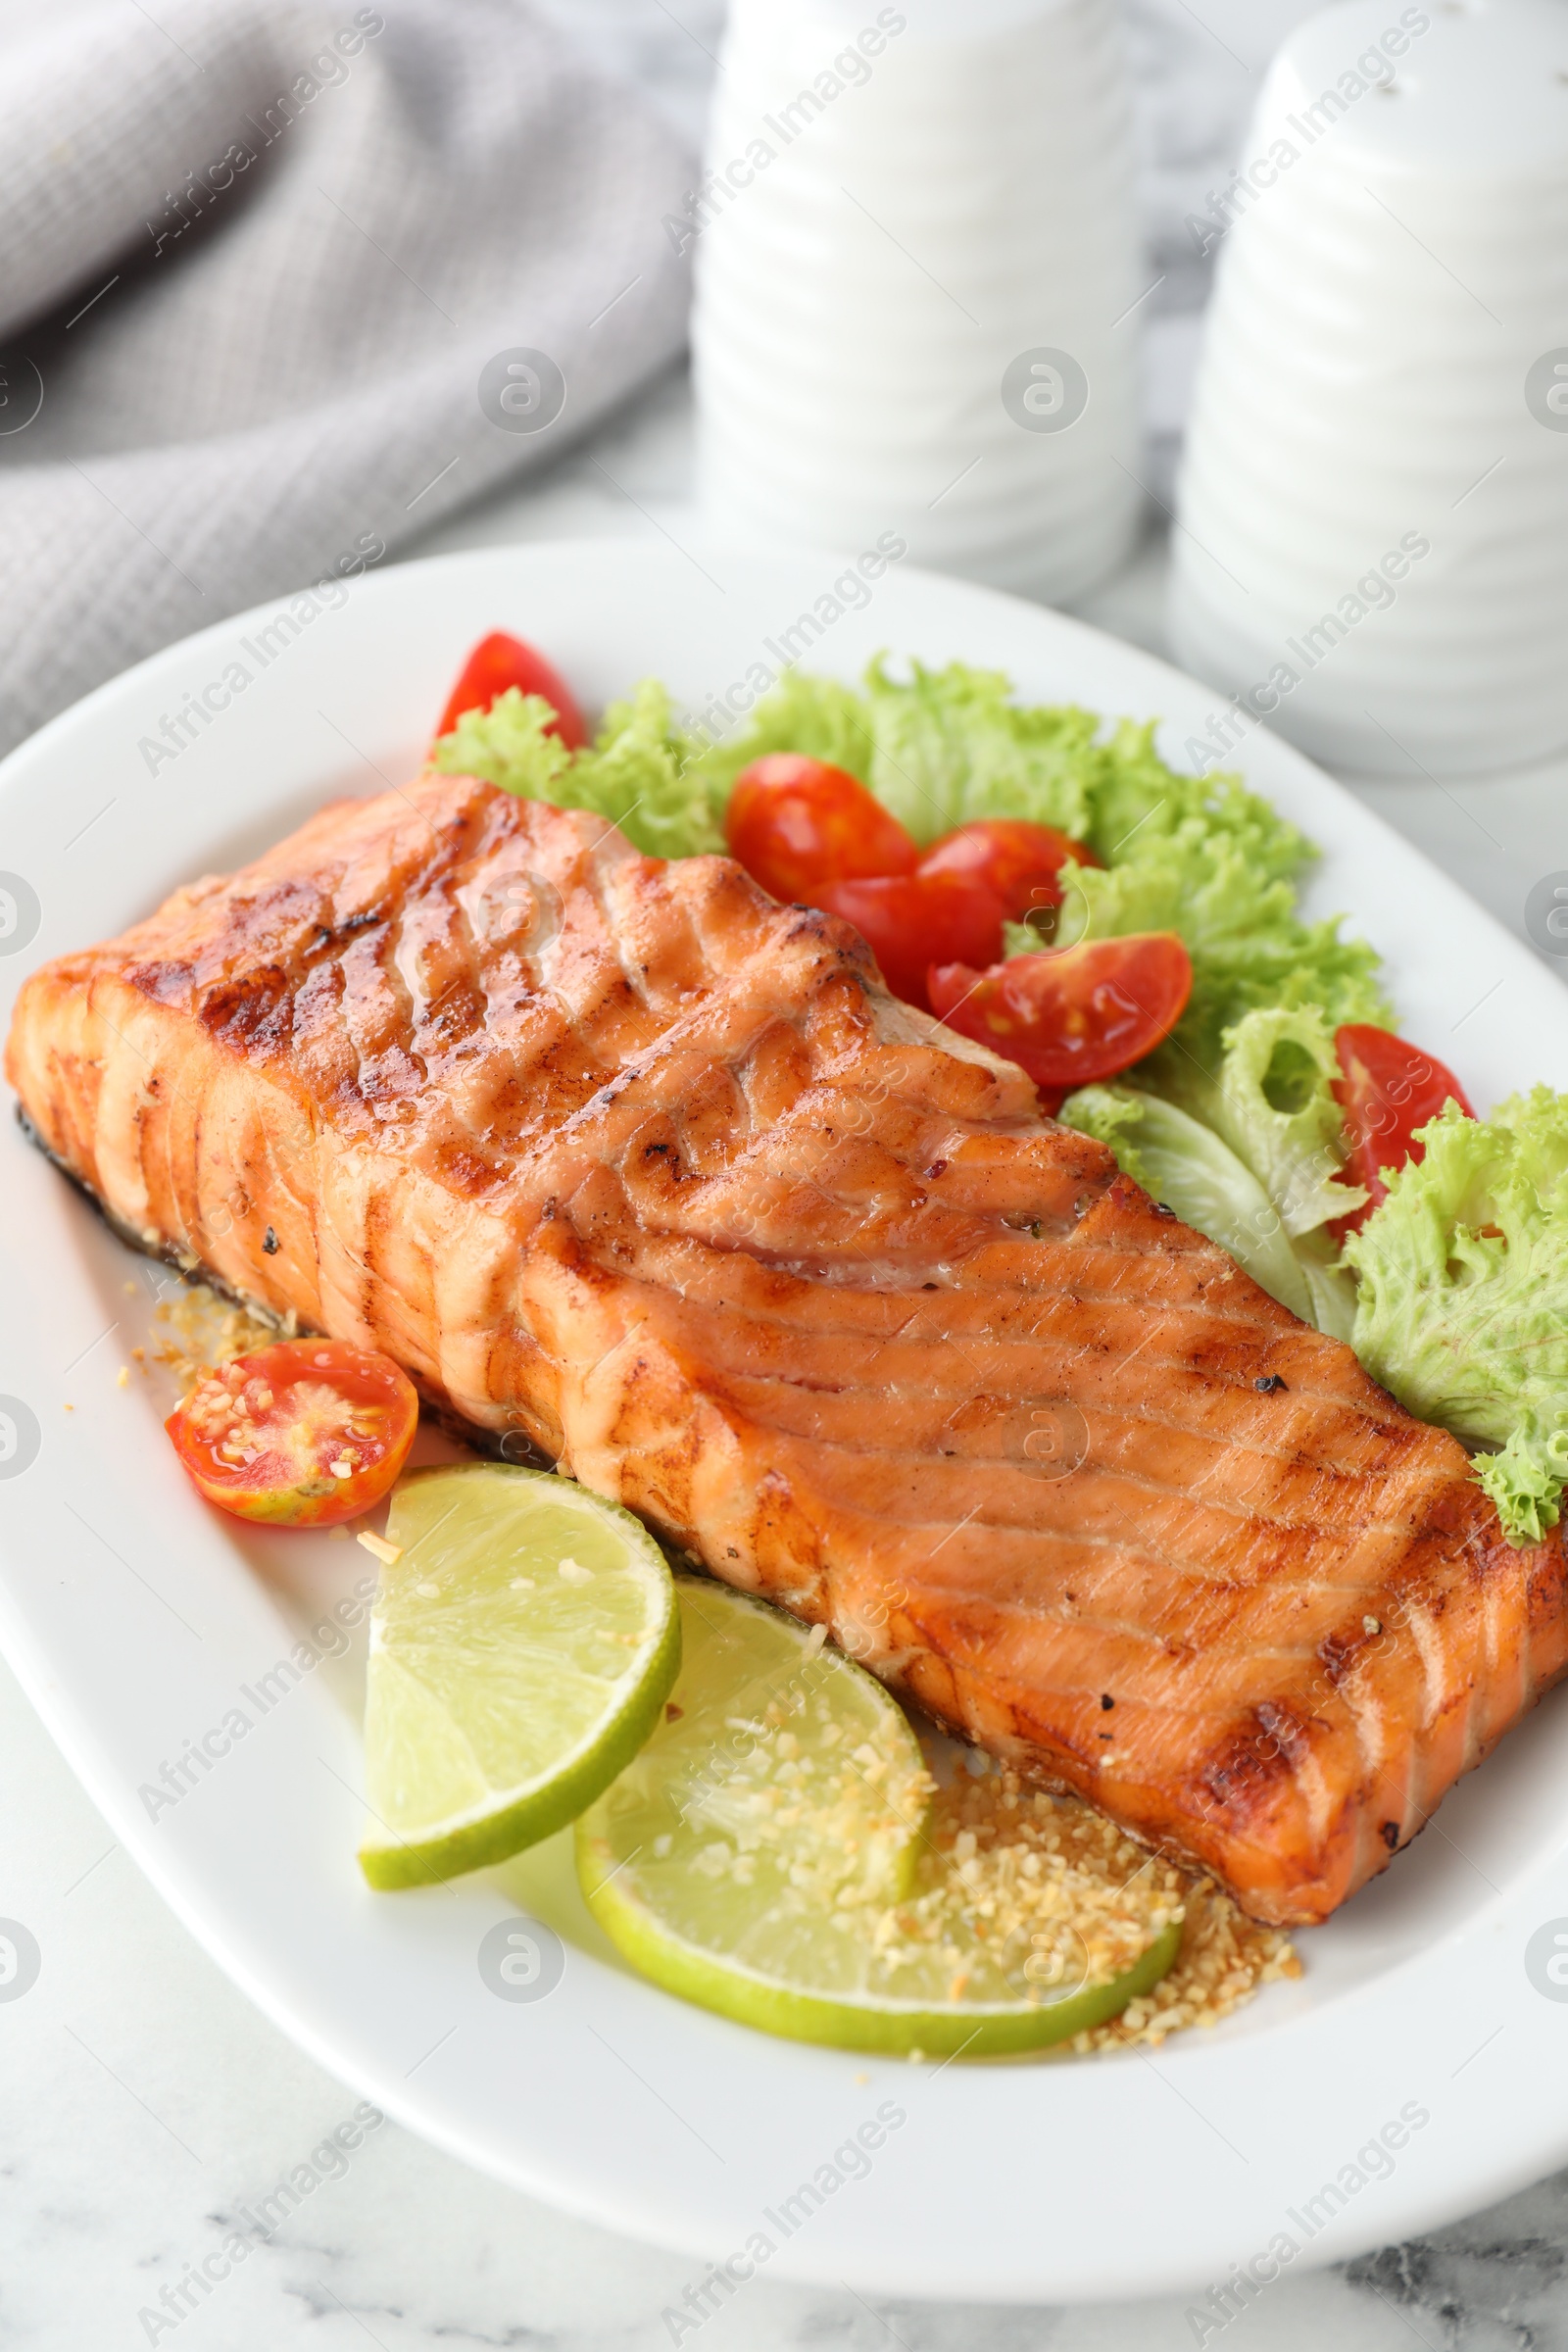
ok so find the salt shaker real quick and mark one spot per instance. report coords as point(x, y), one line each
point(1373, 552)
point(918, 274)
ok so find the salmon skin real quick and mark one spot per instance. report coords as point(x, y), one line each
point(624, 1160)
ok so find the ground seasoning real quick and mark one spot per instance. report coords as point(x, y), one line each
point(1059, 1896)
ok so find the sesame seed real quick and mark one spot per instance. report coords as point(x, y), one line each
point(198, 1333)
point(1028, 1893)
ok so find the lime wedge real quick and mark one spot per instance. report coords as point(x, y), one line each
point(521, 1645)
point(773, 1853)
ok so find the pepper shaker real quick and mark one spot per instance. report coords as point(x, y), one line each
point(1373, 552)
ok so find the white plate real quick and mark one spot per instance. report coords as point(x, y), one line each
point(137, 1619)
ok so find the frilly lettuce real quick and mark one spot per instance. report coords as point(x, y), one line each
point(1270, 1100)
point(640, 770)
point(509, 746)
point(1462, 1309)
point(1247, 947)
point(1180, 1161)
point(1250, 1156)
point(1205, 857)
point(936, 747)
point(1200, 856)
point(1463, 1304)
point(819, 716)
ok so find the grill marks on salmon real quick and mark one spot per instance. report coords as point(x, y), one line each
point(626, 1158)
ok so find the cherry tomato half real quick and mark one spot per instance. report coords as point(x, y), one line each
point(1388, 1090)
point(500, 660)
point(1071, 1014)
point(1018, 861)
point(797, 824)
point(911, 922)
point(303, 1434)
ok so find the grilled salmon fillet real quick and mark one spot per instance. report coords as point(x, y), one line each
point(622, 1154)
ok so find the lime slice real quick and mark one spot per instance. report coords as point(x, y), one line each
point(521, 1647)
point(773, 1853)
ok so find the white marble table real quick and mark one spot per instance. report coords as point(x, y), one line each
point(145, 2106)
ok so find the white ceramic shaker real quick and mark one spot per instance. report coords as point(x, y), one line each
point(917, 286)
point(1373, 542)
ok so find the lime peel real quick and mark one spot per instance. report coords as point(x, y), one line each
point(523, 1640)
point(739, 1863)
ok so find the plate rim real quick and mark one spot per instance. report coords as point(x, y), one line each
point(1412, 2204)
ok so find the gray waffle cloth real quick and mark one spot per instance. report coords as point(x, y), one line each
point(265, 274)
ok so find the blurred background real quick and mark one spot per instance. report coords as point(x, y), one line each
point(1194, 81)
point(262, 433)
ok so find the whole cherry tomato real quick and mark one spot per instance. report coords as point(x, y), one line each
point(911, 922)
point(1018, 859)
point(303, 1434)
point(1072, 1015)
point(1388, 1090)
point(797, 824)
point(500, 660)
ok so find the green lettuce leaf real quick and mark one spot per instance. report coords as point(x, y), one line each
point(640, 771)
point(1270, 1099)
point(1205, 857)
point(949, 744)
point(1113, 1116)
point(1330, 1283)
point(937, 747)
point(508, 745)
point(816, 716)
point(1462, 1309)
point(1200, 856)
point(1180, 1161)
point(1270, 1105)
point(1526, 1481)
